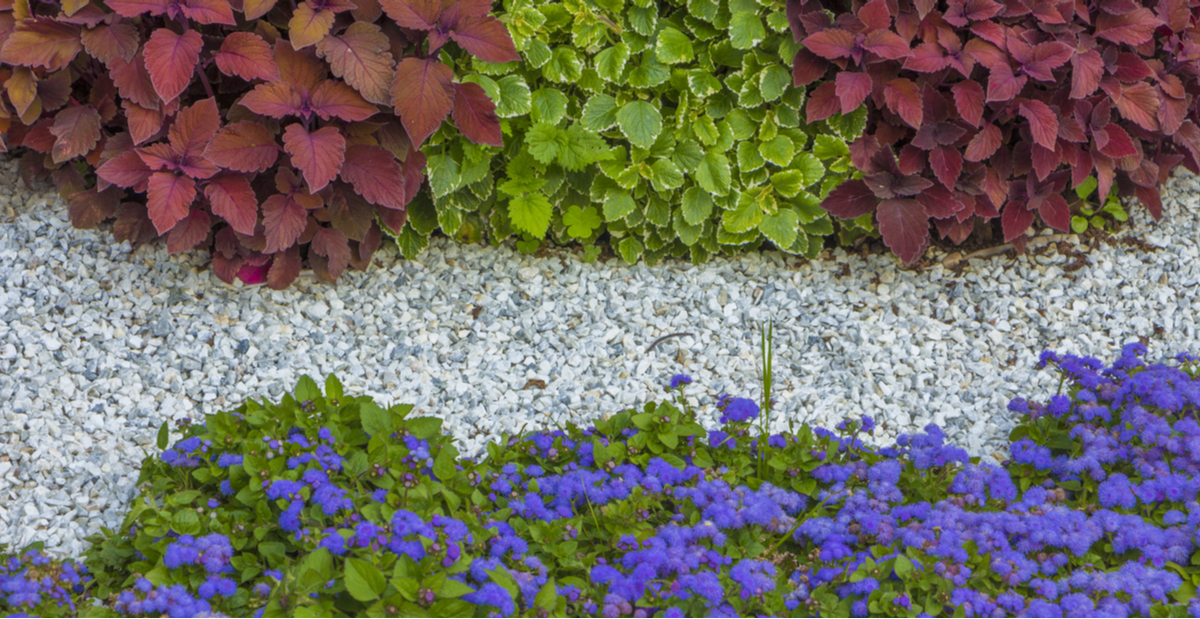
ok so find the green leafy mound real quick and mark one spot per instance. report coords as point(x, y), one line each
point(662, 127)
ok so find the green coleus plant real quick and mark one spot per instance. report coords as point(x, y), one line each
point(664, 127)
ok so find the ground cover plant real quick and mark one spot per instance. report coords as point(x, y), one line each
point(326, 504)
point(983, 110)
point(251, 129)
point(660, 127)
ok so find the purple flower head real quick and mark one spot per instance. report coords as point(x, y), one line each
point(738, 410)
point(679, 380)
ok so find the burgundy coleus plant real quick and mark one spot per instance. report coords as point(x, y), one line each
point(267, 134)
point(1000, 107)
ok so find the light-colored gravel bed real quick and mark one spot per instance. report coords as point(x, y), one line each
point(99, 344)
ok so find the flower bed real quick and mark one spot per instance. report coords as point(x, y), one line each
point(304, 508)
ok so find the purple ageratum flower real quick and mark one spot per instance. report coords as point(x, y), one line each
point(679, 380)
point(739, 410)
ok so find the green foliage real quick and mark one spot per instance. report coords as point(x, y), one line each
point(675, 124)
point(1090, 214)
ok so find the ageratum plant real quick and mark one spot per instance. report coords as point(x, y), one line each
point(662, 127)
point(327, 504)
point(252, 129)
point(984, 110)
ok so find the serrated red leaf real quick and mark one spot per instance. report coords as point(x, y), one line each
point(1151, 199)
point(1002, 84)
point(247, 56)
point(375, 175)
point(946, 164)
point(904, 226)
point(299, 67)
point(133, 8)
point(133, 224)
point(169, 198)
point(1171, 112)
point(350, 213)
point(189, 232)
point(1044, 160)
point(208, 11)
point(78, 131)
point(939, 202)
point(1043, 122)
point(41, 42)
point(308, 25)
point(245, 146)
point(274, 99)
point(475, 115)
point(852, 90)
point(285, 268)
point(254, 9)
point(318, 154)
point(807, 68)
point(853, 198)
point(105, 42)
point(1015, 220)
point(830, 44)
point(171, 60)
point(984, 144)
point(194, 126)
point(485, 38)
point(1055, 212)
point(284, 220)
point(127, 171)
point(422, 96)
point(361, 56)
point(968, 99)
point(1132, 28)
point(91, 206)
point(1139, 104)
point(875, 15)
point(1086, 70)
point(414, 14)
point(333, 98)
point(133, 81)
point(233, 200)
point(1174, 13)
point(1117, 143)
point(885, 44)
point(332, 244)
point(822, 103)
point(1130, 68)
point(955, 230)
point(904, 98)
point(926, 58)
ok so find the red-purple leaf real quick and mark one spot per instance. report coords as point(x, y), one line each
point(807, 68)
point(1132, 28)
point(485, 38)
point(853, 198)
point(475, 115)
point(254, 9)
point(189, 232)
point(904, 98)
point(1002, 84)
point(1117, 143)
point(285, 268)
point(194, 126)
point(1044, 160)
point(885, 44)
point(822, 103)
point(308, 25)
point(274, 99)
point(78, 131)
point(946, 164)
point(245, 146)
point(939, 202)
point(1042, 121)
point(1139, 103)
point(318, 154)
point(41, 42)
point(133, 8)
point(233, 200)
point(333, 98)
point(904, 225)
point(361, 56)
point(422, 96)
point(375, 175)
point(133, 224)
point(1151, 199)
point(171, 59)
point(1086, 70)
point(105, 42)
point(283, 219)
point(247, 56)
point(169, 199)
point(1015, 220)
point(830, 44)
point(90, 206)
point(1055, 212)
point(968, 99)
point(852, 90)
point(927, 58)
point(332, 244)
point(127, 171)
point(414, 14)
point(208, 11)
point(133, 81)
point(983, 144)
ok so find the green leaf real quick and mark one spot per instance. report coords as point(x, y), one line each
point(364, 581)
point(702, 83)
point(600, 113)
point(581, 222)
point(549, 105)
point(713, 174)
point(443, 174)
point(649, 73)
point(306, 389)
point(537, 53)
point(547, 598)
point(748, 157)
point(610, 62)
point(673, 47)
point(706, 130)
point(333, 388)
point(1079, 224)
point(530, 213)
point(697, 206)
point(688, 155)
point(410, 242)
point(640, 122)
point(741, 125)
point(630, 249)
point(666, 176)
point(453, 589)
point(643, 20)
point(545, 142)
point(1086, 188)
point(778, 151)
point(444, 464)
point(810, 167)
point(375, 421)
point(164, 436)
point(746, 30)
point(903, 566)
point(745, 216)
point(781, 227)
point(849, 126)
point(773, 81)
point(515, 99)
point(564, 66)
point(618, 204)
point(582, 149)
point(788, 183)
point(829, 147)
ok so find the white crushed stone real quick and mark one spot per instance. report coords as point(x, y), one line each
point(99, 344)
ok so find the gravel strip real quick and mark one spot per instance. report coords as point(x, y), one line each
point(99, 344)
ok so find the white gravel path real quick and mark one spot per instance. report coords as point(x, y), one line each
point(98, 344)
